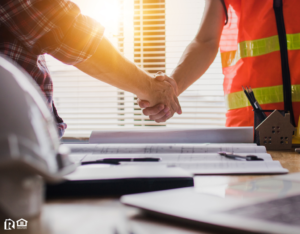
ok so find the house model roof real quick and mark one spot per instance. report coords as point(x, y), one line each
point(276, 119)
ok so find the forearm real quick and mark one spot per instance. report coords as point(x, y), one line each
point(196, 59)
point(109, 66)
point(198, 55)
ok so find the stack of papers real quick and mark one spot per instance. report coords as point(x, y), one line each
point(169, 136)
point(195, 158)
point(183, 148)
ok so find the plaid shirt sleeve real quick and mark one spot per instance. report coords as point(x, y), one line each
point(55, 27)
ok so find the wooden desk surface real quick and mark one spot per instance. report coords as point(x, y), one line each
point(109, 216)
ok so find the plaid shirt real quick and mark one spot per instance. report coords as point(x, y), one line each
point(31, 28)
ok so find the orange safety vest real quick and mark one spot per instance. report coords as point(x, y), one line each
point(260, 48)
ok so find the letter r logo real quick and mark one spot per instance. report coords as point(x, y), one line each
point(9, 224)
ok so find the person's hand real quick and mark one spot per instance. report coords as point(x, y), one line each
point(162, 96)
point(160, 112)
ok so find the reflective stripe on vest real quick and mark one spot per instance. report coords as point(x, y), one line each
point(258, 47)
point(265, 95)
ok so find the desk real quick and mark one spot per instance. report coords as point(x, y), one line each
point(109, 216)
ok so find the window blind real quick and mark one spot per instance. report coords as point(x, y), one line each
point(153, 34)
point(150, 35)
point(203, 102)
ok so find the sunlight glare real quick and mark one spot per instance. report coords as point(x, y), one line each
point(106, 12)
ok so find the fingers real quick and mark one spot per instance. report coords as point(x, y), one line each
point(143, 103)
point(154, 110)
point(179, 110)
point(174, 106)
point(160, 76)
point(165, 118)
point(159, 113)
point(158, 116)
point(173, 83)
point(165, 91)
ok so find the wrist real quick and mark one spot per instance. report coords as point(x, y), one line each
point(180, 85)
point(144, 88)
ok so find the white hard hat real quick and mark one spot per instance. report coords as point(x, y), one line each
point(29, 143)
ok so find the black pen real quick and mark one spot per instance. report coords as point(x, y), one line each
point(238, 157)
point(250, 95)
point(116, 161)
point(256, 103)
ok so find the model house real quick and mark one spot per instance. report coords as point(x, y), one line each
point(276, 131)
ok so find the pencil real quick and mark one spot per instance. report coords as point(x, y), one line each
point(256, 102)
point(249, 98)
point(250, 95)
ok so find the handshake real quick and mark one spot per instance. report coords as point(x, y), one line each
point(162, 101)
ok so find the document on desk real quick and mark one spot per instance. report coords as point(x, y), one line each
point(194, 158)
point(188, 135)
point(163, 148)
point(80, 151)
point(223, 167)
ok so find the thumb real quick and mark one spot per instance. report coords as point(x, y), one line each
point(160, 76)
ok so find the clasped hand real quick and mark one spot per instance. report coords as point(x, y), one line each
point(163, 102)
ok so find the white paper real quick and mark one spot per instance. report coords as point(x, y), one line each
point(101, 172)
point(195, 158)
point(200, 135)
point(163, 148)
point(235, 167)
point(213, 157)
point(76, 158)
point(223, 167)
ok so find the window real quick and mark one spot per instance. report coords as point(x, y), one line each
point(153, 34)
